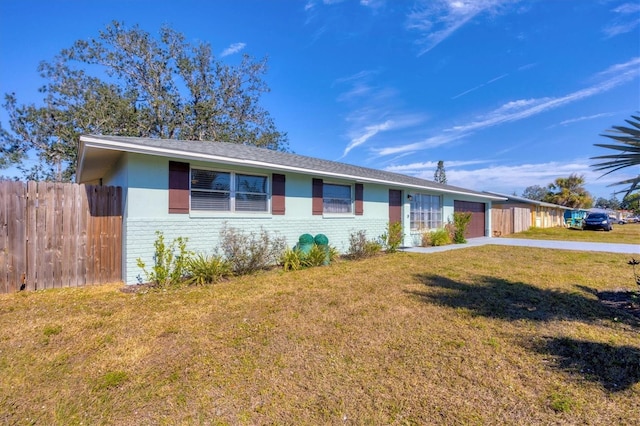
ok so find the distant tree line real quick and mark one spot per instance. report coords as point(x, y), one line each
point(570, 192)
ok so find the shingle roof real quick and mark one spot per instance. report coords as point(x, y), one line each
point(231, 153)
point(528, 200)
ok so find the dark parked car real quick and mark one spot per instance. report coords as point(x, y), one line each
point(597, 221)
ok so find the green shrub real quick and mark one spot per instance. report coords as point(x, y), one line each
point(360, 247)
point(425, 239)
point(393, 237)
point(372, 248)
point(248, 253)
point(439, 237)
point(203, 269)
point(334, 254)
point(291, 260)
point(169, 262)
point(317, 256)
point(460, 222)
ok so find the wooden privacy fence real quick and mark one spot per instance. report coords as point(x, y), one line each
point(505, 221)
point(59, 235)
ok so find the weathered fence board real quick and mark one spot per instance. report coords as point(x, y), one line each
point(521, 219)
point(13, 244)
point(32, 229)
point(59, 235)
point(501, 222)
point(505, 221)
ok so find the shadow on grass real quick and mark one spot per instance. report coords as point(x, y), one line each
point(627, 301)
point(616, 368)
point(497, 298)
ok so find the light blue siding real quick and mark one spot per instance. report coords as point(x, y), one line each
point(146, 192)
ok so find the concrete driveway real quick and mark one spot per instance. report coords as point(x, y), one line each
point(633, 249)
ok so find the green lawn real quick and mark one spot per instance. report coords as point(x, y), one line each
point(625, 234)
point(486, 335)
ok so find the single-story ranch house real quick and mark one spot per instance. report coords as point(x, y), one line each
point(193, 188)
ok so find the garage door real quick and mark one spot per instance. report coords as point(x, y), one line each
point(477, 225)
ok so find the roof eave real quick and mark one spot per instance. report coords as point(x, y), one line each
point(101, 143)
point(529, 201)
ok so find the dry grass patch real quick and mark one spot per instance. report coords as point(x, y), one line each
point(623, 234)
point(487, 335)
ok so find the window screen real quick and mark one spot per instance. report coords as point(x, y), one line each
point(336, 198)
point(210, 190)
point(251, 193)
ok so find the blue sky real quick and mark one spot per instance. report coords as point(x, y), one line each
point(507, 93)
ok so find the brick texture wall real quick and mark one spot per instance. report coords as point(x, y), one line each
point(203, 234)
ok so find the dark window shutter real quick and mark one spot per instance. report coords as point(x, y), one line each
point(317, 196)
point(277, 194)
point(359, 199)
point(178, 187)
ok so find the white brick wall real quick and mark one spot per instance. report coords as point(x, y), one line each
point(203, 233)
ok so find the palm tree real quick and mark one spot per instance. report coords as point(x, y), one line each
point(627, 153)
point(569, 192)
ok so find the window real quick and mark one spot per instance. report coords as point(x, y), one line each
point(225, 191)
point(426, 212)
point(251, 193)
point(336, 198)
point(210, 190)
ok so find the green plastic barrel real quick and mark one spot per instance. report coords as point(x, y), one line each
point(322, 241)
point(305, 243)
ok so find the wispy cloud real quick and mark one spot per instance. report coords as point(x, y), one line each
point(524, 108)
point(631, 65)
point(367, 133)
point(357, 91)
point(358, 86)
point(473, 89)
point(374, 4)
point(513, 178)
point(606, 80)
point(626, 20)
point(361, 132)
point(437, 20)
point(586, 118)
point(234, 48)
point(628, 8)
point(421, 168)
point(527, 66)
point(427, 143)
point(357, 77)
point(620, 28)
point(372, 109)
